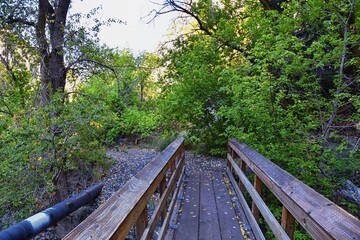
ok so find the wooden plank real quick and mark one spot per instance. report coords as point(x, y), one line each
point(189, 218)
point(231, 152)
point(257, 186)
point(288, 222)
point(208, 223)
point(259, 164)
point(176, 208)
point(265, 212)
point(242, 218)
point(310, 208)
point(162, 205)
point(229, 225)
point(115, 218)
point(162, 232)
point(141, 223)
point(162, 191)
point(323, 218)
point(250, 217)
point(243, 169)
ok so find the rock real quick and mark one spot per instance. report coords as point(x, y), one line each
point(350, 192)
point(127, 164)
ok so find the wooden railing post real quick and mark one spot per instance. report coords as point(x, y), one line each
point(231, 152)
point(243, 169)
point(320, 217)
point(172, 166)
point(288, 222)
point(162, 191)
point(128, 206)
point(141, 223)
point(257, 186)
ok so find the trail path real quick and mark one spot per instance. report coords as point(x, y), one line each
point(127, 162)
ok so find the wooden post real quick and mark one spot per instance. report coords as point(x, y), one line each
point(243, 169)
point(288, 222)
point(162, 190)
point(172, 165)
point(231, 152)
point(257, 186)
point(141, 223)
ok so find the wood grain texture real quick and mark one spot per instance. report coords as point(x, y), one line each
point(189, 218)
point(141, 223)
point(321, 218)
point(229, 225)
point(265, 211)
point(209, 228)
point(207, 211)
point(288, 222)
point(162, 192)
point(166, 221)
point(243, 169)
point(257, 186)
point(115, 218)
point(250, 217)
point(162, 207)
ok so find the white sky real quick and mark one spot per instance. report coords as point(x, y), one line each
point(136, 35)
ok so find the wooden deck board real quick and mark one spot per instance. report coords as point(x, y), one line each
point(207, 210)
point(209, 227)
point(229, 224)
point(189, 212)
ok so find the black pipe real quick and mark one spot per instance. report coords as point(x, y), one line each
point(37, 223)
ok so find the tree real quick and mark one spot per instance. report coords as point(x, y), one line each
point(60, 41)
point(46, 131)
point(49, 31)
point(286, 77)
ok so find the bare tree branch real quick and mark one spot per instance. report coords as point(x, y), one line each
point(11, 20)
point(82, 60)
point(266, 5)
point(188, 10)
point(103, 65)
point(5, 104)
point(8, 67)
point(336, 103)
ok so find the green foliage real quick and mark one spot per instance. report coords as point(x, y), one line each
point(136, 121)
point(22, 168)
point(158, 141)
point(34, 148)
point(284, 81)
point(196, 92)
point(70, 133)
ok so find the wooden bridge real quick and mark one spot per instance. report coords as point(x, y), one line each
point(211, 204)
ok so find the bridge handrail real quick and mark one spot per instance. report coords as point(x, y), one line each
point(128, 206)
point(320, 217)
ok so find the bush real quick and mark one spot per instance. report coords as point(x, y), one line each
point(35, 147)
point(138, 121)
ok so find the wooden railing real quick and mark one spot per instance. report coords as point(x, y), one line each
point(128, 206)
point(320, 217)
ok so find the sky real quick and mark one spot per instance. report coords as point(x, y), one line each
point(136, 34)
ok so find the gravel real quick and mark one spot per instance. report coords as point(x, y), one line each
point(127, 164)
point(195, 163)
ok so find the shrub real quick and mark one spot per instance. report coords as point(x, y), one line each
point(138, 121)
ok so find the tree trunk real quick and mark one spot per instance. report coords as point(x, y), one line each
point(52, 66)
